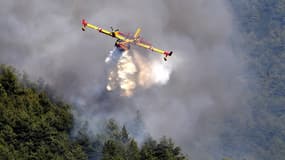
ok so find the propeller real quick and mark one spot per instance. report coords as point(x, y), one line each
point(113, 29)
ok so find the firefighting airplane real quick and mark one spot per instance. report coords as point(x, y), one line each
point(124, 40)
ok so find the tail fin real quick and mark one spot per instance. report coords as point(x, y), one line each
point(137, 34)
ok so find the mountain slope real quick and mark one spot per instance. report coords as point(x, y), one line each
point(262, 25)
point(31, 125)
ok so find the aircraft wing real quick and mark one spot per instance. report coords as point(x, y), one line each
point(154, 49)
point(121, 36)
point(133, 39)
point(146, 46)
point(115, 34)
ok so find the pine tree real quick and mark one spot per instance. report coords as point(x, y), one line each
point(112, 130)
point(147, 150)
point(132, 152)
point(112, 150)
point(124, 135)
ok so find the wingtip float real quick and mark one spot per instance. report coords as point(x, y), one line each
point(124, 40)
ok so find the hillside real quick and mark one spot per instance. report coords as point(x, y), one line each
point(31, 125)
point(34, 125)
point(262, 25)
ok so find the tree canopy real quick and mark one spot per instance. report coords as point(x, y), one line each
point(31, 125)
point(35, 125)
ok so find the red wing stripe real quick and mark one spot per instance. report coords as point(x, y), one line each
point(123, 34)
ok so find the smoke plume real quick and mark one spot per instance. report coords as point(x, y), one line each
point(188, 98)
point(129, 71)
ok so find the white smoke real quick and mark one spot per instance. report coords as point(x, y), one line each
point(128, 71)
point(160, 73)
point(189, 102)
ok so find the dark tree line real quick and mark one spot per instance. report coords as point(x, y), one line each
point(117, 144)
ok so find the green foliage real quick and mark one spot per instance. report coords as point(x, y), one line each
point(113, 150)
point(132, 151)
point(116, 144)
point(124, 135)
point(112, 130)
point(165, 149)
point(31, 125)
point(35, 125)
point(263, 30)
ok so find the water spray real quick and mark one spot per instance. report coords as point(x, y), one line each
point(130, 71)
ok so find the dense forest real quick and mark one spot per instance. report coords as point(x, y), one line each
point(34, 124)
point(262, 27)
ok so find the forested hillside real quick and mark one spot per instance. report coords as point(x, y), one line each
point(35, 125)
point(31, 125)
point(262, 24)
point(116, 144)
